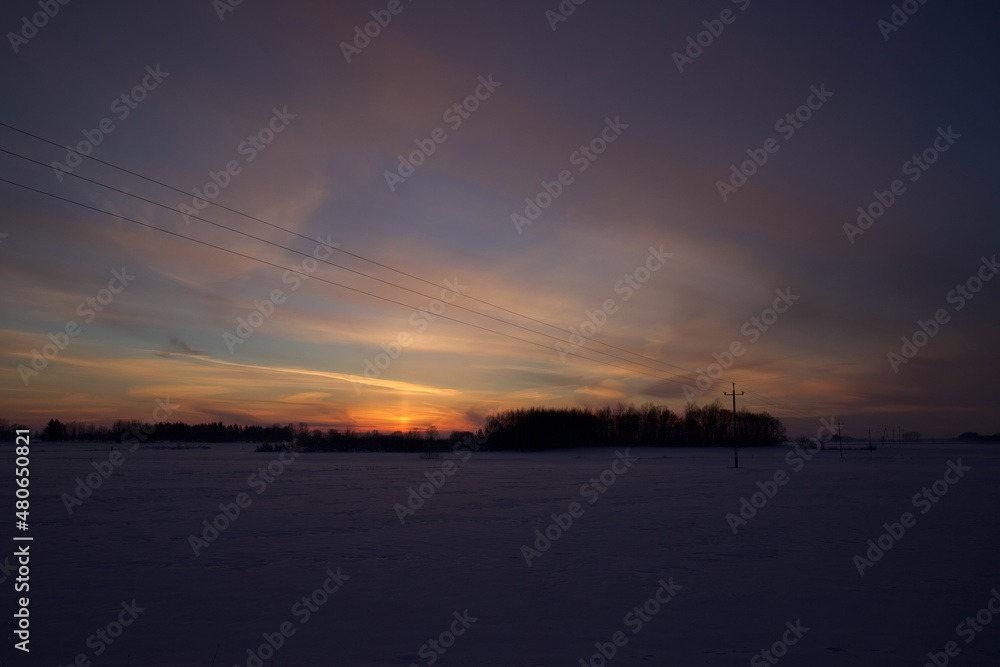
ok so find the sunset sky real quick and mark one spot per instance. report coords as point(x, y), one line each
point(272, 82)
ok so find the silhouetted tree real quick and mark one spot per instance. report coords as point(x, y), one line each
point(649, 425)
point(8, 431)
point(54, 430)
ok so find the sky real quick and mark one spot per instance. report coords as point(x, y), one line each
point(566, 205)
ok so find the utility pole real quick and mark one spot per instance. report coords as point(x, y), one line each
point(840, 439)
point(736, 443)
point(869, 439)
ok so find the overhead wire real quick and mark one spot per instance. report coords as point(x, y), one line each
point(136, 174)
point(317, 278)
point(333, 264)
point(331, 247)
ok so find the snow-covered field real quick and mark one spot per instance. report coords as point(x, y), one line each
point(460, 557)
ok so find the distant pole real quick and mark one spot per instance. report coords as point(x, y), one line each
point(736, 443)
point(840, 439)
point(869, 439)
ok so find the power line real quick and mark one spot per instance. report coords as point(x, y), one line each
point(323, 280)
point(736, 441)
point(780, 405)
point(289, 231)
point(356, 256)
point(772, 402)
point(323, 261)
point(363, 292)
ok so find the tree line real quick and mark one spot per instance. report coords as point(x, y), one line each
point(534, 428)
point(524, 428)
point(648, 425)
point(169, 431)
point(274, 437)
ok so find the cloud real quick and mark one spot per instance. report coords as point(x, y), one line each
point(182, 349)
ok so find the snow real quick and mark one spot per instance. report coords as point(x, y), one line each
point(663, 518)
